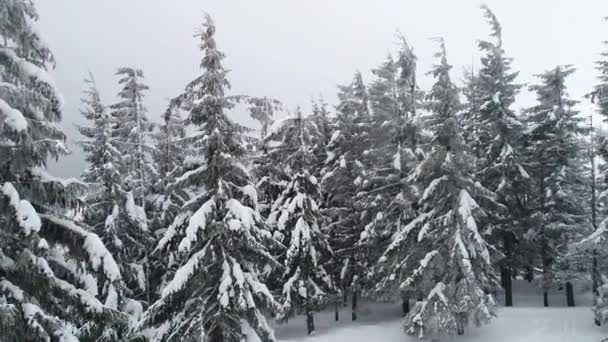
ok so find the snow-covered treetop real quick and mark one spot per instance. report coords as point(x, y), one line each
point(494, 24)
point(443, 97)
point(29, 100)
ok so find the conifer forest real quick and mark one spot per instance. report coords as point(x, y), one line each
point(400, 212)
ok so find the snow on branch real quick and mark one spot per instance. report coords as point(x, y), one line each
point(99, 257)
point(26, 215)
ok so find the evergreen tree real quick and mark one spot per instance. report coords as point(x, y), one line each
point(345, 169)
point(107, 204)
point(168, 156)
point(387, 197)
point(498, 135)
point(57, 279)
point(217, 294)
point(131, 125)
point(442, 253)
point(596, 240)
point(553, 144)
point(270, 178)
point(297, 221)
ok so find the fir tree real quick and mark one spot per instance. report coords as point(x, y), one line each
point(387, 195)
point(169, 154)
point(343, 175)
point(553, 144)
point(442, 253)
point(107, 204)
point(217, 294)
point(498, 135)
point(57, 279)
point(596, 240)
point(297, 221)
point(131, 125)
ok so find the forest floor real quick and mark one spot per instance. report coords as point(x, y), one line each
point(527, 321)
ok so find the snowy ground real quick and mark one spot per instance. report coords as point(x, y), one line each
point(528, 321)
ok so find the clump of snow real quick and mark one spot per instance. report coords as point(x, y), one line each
point(197, 221)
point(397, 160)
point(26, 215)
point(335, 136)
point(225, 285)
point(13, 117)
point(136, 213)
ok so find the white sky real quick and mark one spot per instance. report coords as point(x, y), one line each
point(293, 50)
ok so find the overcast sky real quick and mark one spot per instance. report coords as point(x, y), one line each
point(293, 50)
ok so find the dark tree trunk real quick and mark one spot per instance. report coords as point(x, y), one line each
point(506, 271)
point(529, 273)
point(345, 301)
point(216, 335)
point(337, 308)
point(310, 321)
point(507, 285)
point(595, 279)
point(405, 305)
point(569, 294)
point(460, 329)
point(543, 243)
point(354, 315)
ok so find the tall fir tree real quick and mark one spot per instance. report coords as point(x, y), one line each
point(106, 202)
point(296, 220)
point(168, 155)
point(498, 147)
point(344, 172)
point(132, 125)
point(57, 279)
point(217, 293)
point(442, 254)
point(387, 195)
point(596, 241)
point(553, 149)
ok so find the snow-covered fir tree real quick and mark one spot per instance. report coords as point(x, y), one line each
point(497, 144)
point(58, 282)
point(270, 178)
point(596, 241)
point(344, 172)
point(442, 255)
point(132, 125)
point(168, 155)
point(217, 238)
point(553, 150)
point(387, 197)
point(110, 210)
point(296, 221)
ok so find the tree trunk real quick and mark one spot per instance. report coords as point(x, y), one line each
point(405, 305)
point(337, 308)
point(529, 273)
point(460, 329)
point(354, 314)
point(507, 285)
point(543, 243)
point(216, 335)
point(345, 301)
point(310, 321)
point(595, 278)
point(569, 294)
point(506, 271)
